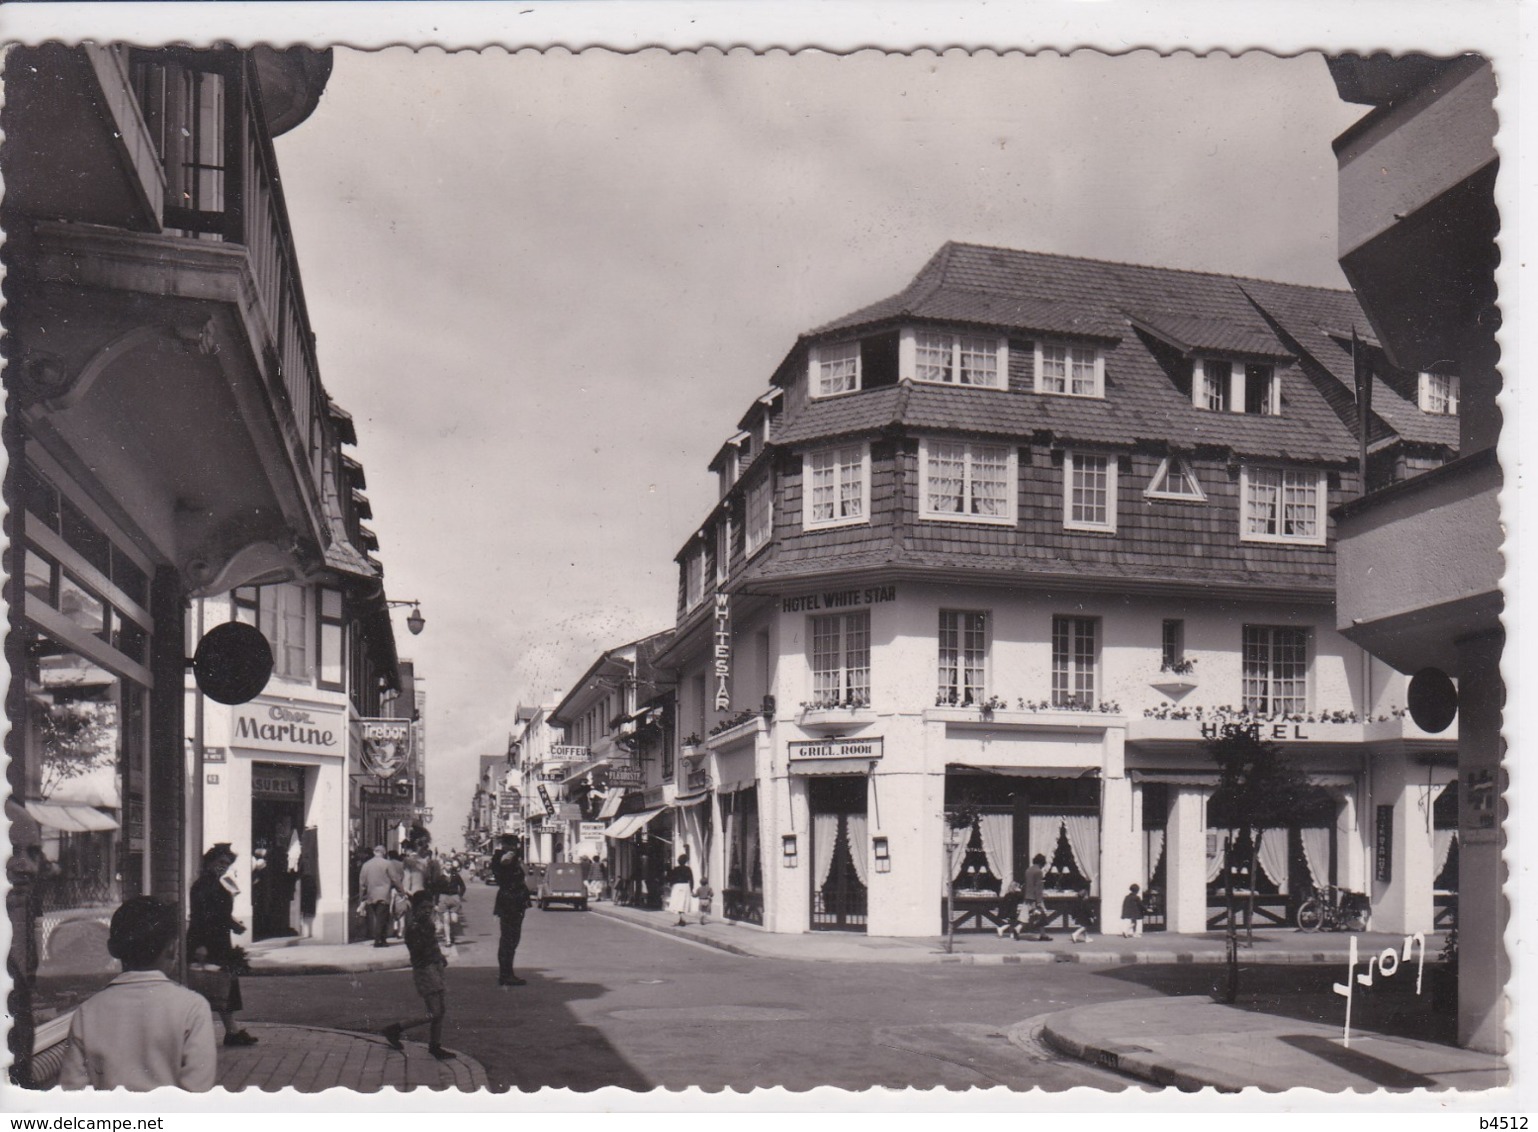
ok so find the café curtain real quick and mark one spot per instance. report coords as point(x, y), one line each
point(1155, 851)
point(998, 831)
point(1316, 851)
point(859, 844)
point(1271, 855)
point(1042, 831)
point(824, 841)
point(1441, 850)
point(1084, 844)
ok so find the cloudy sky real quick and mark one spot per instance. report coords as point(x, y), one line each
point(548, 285)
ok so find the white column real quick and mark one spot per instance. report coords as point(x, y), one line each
point(1403, 903)
point(1185, 862)
point(1121, 848)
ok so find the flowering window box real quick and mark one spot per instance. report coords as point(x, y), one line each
point(835, 719)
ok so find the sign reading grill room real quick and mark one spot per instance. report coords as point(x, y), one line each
point(801, 749)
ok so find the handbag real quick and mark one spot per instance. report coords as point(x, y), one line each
point(212, 982)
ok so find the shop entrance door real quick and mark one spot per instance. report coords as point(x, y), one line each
point(839, 843)
point(277, 840)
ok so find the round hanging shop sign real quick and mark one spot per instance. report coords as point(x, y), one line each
point(1432, 698)
point(233, 663)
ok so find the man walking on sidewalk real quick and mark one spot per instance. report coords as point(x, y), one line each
point(377, 882)
point(512, 903)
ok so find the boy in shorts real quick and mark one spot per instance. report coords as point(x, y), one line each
point(427, 967)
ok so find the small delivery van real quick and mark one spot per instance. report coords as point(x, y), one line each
point(562, 884)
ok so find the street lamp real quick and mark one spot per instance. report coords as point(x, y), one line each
point(414, 620)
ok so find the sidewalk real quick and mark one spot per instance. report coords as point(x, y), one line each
point(305, 957)
point(1192, 1043)
point(1272, 945)
point(310, 1060)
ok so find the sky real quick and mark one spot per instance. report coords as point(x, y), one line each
point(547, 286)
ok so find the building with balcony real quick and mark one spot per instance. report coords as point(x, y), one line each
point(169, 439)
point(539, 770)
point(628, 796)
point(994, 559)
point(1420, 563)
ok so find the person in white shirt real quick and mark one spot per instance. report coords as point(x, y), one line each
point(142, 1031)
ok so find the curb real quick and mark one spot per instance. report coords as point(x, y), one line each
point(1029, 958)
point(1137, 1061)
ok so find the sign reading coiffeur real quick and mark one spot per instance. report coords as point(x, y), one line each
point(283, 727)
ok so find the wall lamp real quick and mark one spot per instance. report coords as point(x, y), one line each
point(788, 847)
point(414, 620)
point(882, 850)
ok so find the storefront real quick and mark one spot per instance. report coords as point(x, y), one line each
point(275, 788)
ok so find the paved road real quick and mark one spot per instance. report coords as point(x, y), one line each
point(610, 1004)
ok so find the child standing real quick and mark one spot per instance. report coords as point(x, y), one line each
point(142, 1031)
point(427, 967)
point(1084, 917)
point(706, 896)
point(1132, 914)
point(1009, 910)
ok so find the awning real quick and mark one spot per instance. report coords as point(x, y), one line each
point(830, 766)
point(611, 804)
point(1028, 771)
point(630, 824)
point(1175, 777)
point(71, 819)
point(690, 800)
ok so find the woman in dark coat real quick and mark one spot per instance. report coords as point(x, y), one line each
point(210, 921)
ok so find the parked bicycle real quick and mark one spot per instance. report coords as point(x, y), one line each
point(1334, 909)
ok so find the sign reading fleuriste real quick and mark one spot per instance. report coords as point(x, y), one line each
point(386, 746)
point(835, 749)
point(625, 775)
point(723, 652)
point(279, 727)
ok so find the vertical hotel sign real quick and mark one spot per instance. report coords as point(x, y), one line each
point(723, 652)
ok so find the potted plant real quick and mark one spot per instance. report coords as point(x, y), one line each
point(1176, 677)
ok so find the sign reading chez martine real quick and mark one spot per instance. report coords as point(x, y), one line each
point(838, 599)
point(278, 727)
point(835, 749)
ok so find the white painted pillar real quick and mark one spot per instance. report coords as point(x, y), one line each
point(1185, 855)
point(1403, 903)
point(1121, 848)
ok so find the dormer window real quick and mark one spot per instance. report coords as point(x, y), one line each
point(837, 487)
point(1222, 386)
point(835, 368)
point(1071, 371)
point(959, 359)
point(1175, 480)
point(1439, 394)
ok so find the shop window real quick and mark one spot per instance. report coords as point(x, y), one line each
point(1075, 658)
point(841, 659)
point(1275, 670)
point(963, 656)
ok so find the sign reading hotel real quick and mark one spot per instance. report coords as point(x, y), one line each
point(723, 652)
point(386, 746)
point(279, 727)
point(1264, 732)
point(835, 749)
point(838, 599)
point(566, 754)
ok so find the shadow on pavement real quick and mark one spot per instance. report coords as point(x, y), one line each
point(1304, 992)
point(1381, 1073)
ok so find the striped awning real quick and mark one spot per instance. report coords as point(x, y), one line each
point(830, 766)
point(1027, 771)
point(630, 824)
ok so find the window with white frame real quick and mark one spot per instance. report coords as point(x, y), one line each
point(1074, 371)
point(280, 612)
point(1439, 394)
point(758, 513)
point(1175, 479)
point(1282, 505)
point(1172, 656)
point(840, 659)
point(1075, 657)
point(694, 577)
point(837, 486)
point(967, 482)
point(1089, 491)
point(723, 548)
point(963, 657)
point(835, 368)
point(1275, 670)
point(332, 639)
point(1223, 386)
point(959, 359)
